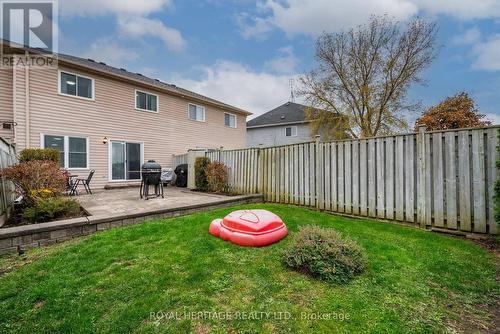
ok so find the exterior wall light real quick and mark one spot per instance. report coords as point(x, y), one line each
point(105, 140)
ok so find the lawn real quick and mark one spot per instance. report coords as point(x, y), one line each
point(134, 279)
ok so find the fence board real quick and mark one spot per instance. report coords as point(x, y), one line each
point(363, 178)
point(389, 181)
point(355, 177)
point(372, 179)
point(334, 181)
point(410, 177)
point(399, 178)
point(437, 179)
point(451, 181)
point(348, 176)
point(464, 180)
point(478, 180)
point(340, 178)
point(380, 157)
point(492, 140)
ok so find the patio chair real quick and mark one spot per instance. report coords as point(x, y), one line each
point(85, 182)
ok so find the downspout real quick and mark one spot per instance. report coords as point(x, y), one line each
point(27, 106)
point(14, 102)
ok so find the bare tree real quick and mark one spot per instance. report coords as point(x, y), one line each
point(364, 74)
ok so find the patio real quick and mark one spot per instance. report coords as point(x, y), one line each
point(127, 201)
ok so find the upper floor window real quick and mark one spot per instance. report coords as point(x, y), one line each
point(230, 120)
point(76, 85)
point(291, 131)
point(146, 101)
point(196, 113)
point(73, 150)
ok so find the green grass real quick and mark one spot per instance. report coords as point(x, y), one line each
point(111, 282)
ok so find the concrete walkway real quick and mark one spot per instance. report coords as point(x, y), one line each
point(127, 201)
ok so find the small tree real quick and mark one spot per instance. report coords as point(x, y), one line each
point(217, 177)
point(458, 111)
point(364, 74)
point(200, 176)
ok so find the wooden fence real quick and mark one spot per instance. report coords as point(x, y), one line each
point(441, 180)
point(7, 196)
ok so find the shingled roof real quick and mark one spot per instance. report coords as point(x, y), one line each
point(287, 113)
point(103, 68)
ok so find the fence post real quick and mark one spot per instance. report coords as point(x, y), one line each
point(421, 173)
point(318, 171)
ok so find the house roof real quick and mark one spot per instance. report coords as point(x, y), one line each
point(287, 113)
point(122, 73)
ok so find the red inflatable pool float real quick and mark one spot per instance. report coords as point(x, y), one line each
point(253, 228)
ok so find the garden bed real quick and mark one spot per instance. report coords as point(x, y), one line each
point(157, 277)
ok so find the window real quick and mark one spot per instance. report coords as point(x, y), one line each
point(230, 120)
point(196, 113)
point(75, 85)
point(73, 150)
point(146, 101)
point(291, 131)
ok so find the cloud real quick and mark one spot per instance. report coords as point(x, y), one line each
point(239, 85)
point(471, 36)
point(110, 52)
point(487, 54)
point(139, 27)
point(100, 7)
point(494, 118)
point(312, 17)
point(285, 63)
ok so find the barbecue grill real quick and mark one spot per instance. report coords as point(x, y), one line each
point(182, 174)
point(151, 178)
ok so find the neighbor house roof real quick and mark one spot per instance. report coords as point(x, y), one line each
point(287, 113)
point(122, 73)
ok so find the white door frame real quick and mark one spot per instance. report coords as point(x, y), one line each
point(110, 157)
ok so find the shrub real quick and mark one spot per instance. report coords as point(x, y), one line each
point(36, 179)
point(216, 177)
point(51, 209)
point(324, 254)
point(30, 154)
point(199, 173)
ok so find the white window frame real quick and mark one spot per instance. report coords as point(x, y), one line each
point(292, 128)
point(110, 159)
point(197, 106)
point(77, 75)
point(66, 149)
point(148, 93)
point(235, 120)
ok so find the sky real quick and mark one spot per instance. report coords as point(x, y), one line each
point(244, 52)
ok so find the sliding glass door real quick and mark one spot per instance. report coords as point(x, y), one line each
point(126, 159)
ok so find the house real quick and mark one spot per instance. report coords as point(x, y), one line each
point(283, 125)
point(109, 119)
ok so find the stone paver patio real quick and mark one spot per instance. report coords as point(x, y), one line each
point(127, 201)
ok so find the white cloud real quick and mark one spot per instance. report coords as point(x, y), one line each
point(285, 63)
point(110, 52)
point(494, 118)
point(138, 27)
point(471, 36)
point(487, 54)
point(100, 7)
point(313, 17)
point(238, 85)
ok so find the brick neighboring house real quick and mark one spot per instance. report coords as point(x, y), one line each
point(109, 119)
point(283, 125)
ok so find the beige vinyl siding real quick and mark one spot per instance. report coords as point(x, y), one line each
point(112, 114)
point(6, 102)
